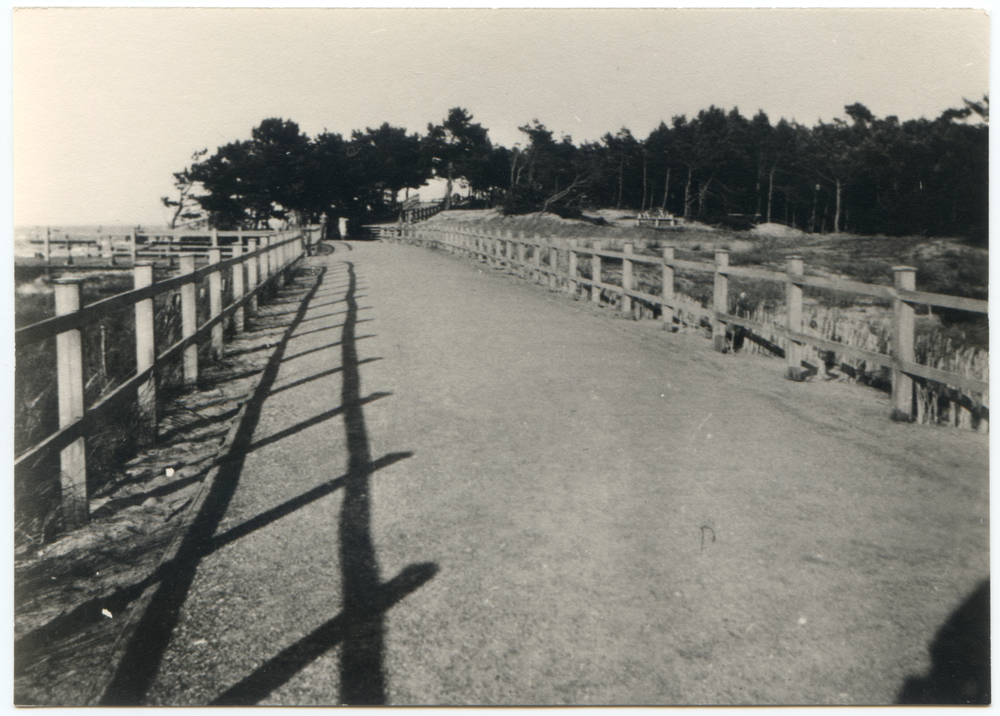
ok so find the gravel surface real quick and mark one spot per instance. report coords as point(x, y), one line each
point(461, 488)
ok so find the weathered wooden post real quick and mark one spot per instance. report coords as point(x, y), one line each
point(145, 351)
point(105, 242)
point(536, 257)
point(267, 260)
point(215, 300)
point(904, 279)
point(279, 261)
point(239, 287)
point(595, 270)
point(720, 300)
point(572, 287)
point(253, 275)
point(667, 289)
point(793, 301)
point(626, 280)
point(215, 238)
point(69, 377)
point(189, 320)
point(522, 248)
point(553, 265)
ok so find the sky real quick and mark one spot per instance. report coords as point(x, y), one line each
point(108, 103)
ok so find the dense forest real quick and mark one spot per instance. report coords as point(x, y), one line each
point(862, 174)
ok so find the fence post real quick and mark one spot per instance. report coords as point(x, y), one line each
point(215, 238)
point(521, 252)
point(595, 271)
point(553, 265)
point(145, 350)
point(668, 311)
point(626, 280)
point(279, 261)
point(189, 320)
point(106, 252)
point(572, 287)
point(904, 278)
point(253, 275)
point(720, 300)
point(536, 258)
point(268, 258)
point(215, 300)
point(239, 287)
point(793, 301)
point(69, 360)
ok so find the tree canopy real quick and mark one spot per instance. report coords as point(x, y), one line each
point(862, 173)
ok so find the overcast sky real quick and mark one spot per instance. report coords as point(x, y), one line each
point(108, 103)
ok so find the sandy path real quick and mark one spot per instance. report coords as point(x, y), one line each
point(463, 489)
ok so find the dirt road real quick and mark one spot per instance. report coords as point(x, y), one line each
point(461, 488)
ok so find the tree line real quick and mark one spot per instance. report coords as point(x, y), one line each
point(862, 174)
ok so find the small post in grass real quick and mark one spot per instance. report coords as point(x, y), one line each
point(904, 278)
point(572, 286)
point(667, 289)
point(189, 320)
point(69, 377)
point(793, 300)
point(553, 265)
point(720, 300)
point(595, 270)
point(536, 258)
point(145, 352)
point(626, 281)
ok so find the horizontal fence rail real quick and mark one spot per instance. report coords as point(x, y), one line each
point(157, 245)
point(255, 260)
point(505, 250)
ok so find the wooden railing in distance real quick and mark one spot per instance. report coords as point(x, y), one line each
point(504, 250)
point(168, 244)
point(251, 267)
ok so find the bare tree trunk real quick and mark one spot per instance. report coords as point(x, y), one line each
point(702, 193)
point(447, 198)
point(644, 182)
point(666, 188)
point(621, 179)
point(760, 173)
point(812, 217)
point(687, 195)
point(770, 191)
point(836, 215)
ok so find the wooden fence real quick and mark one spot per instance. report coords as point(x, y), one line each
point(249, 268)
point(166, 245)
point(544, 264)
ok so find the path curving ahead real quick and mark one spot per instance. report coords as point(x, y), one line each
point(461, 488)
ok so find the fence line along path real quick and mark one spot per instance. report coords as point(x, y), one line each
point(250, 268)
point(539, 258)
